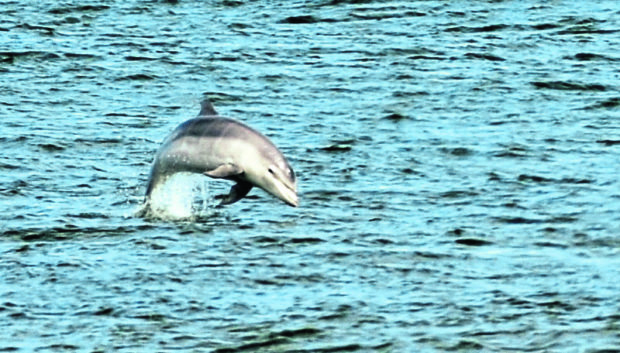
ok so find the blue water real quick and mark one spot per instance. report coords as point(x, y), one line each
point(457, 164)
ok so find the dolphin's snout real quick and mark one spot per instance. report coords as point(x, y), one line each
point(289, 195)
point(294, 201)
point(287, 192)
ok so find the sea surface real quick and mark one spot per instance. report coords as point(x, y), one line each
point(458, 168)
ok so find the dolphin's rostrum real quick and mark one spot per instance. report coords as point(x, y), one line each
point(225, 148)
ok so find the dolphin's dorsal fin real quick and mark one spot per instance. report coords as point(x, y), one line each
point(206, 108)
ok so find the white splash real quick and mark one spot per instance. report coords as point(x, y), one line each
point(175, 198)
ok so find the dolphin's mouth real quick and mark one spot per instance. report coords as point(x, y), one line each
point(293, 201)
point(290, 196)
point(287, 193)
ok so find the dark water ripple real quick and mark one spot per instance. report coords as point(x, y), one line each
point(457, 165)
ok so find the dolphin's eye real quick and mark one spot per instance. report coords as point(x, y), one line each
point(270, 171)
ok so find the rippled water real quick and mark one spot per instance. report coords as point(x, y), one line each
point(457, 161)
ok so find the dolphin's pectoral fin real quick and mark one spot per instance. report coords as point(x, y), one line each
point(224, 171)
point(237, 192)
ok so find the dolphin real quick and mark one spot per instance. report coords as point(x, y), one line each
point(224, 148)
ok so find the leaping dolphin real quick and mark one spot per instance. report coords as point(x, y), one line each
point(224, 148)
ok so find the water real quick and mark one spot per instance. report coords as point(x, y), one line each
point(457, 164)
